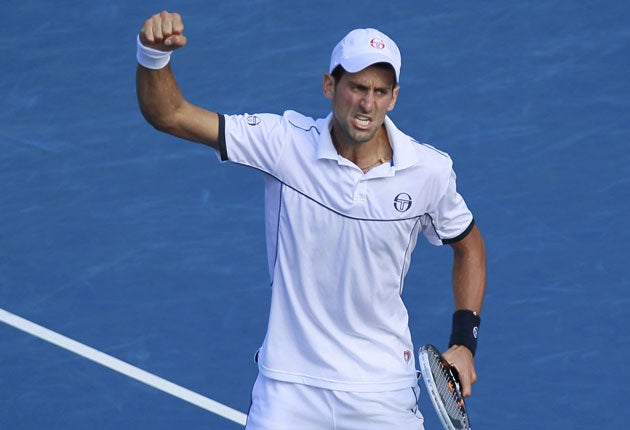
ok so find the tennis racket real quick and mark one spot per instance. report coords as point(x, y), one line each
point(442, 383)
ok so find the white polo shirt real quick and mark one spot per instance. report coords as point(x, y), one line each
point(339, 244)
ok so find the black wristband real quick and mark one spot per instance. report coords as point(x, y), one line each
point(465, 329)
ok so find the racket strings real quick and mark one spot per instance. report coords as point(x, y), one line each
point(448, 389)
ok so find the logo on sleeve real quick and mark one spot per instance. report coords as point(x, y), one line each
point(253, 120)
point(402, 202)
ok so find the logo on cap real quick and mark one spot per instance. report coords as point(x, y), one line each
point(377, 43)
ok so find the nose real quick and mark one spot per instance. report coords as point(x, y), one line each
point(367, 101)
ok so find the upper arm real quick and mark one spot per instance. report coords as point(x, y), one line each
point(469, 271)
point(197, 124)
point(471, 242)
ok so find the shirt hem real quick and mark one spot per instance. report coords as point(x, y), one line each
point(357, 387)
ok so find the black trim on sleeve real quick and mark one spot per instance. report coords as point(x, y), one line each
point(222, 146)
point(461, 236)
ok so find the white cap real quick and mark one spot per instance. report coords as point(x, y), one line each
point(362, 48)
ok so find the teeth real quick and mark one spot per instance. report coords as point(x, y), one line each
point(363, 121)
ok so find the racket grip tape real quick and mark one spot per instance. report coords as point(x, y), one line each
point(465, 329)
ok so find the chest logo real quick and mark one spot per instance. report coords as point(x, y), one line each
point(402, 202)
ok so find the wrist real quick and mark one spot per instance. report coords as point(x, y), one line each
point(151, 58)
point(465, 329)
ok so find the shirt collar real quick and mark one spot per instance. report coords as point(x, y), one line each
point(402, 145)
point(325, 147)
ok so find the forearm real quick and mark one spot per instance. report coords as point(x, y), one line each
point(159, 96)
point(163, 106)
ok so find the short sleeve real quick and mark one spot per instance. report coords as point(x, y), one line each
point(254, 140)
point(450, 220)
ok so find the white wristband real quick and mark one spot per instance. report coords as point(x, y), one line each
point(151, 58)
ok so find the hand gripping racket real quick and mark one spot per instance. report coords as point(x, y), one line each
point(442, 383)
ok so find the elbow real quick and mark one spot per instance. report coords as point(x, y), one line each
point(163, 123)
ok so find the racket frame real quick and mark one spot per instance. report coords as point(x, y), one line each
point(434, 394)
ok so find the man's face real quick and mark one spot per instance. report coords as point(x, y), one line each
point(360, 102)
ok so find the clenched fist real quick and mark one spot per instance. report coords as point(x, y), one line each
point(163, 31)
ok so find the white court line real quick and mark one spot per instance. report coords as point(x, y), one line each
point(122, 367)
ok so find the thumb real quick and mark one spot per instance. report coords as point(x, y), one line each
point(175, 41)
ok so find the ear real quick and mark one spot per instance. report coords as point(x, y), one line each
point(392, 102)
point(328, 86)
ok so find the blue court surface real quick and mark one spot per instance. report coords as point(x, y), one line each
point(147, 250)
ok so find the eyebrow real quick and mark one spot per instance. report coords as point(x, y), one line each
point(363, 86)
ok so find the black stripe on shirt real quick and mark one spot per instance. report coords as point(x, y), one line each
point(222, 144)
point(461, 236)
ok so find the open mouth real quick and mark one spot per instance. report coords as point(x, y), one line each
point(362, 121)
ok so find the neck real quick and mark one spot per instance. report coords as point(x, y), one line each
point(366, 155)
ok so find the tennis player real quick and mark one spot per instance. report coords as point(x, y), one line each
point(346, 197)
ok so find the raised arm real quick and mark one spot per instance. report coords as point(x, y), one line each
point(160, 98)
point(469, 284)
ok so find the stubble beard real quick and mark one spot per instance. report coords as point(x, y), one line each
point(350, 135)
